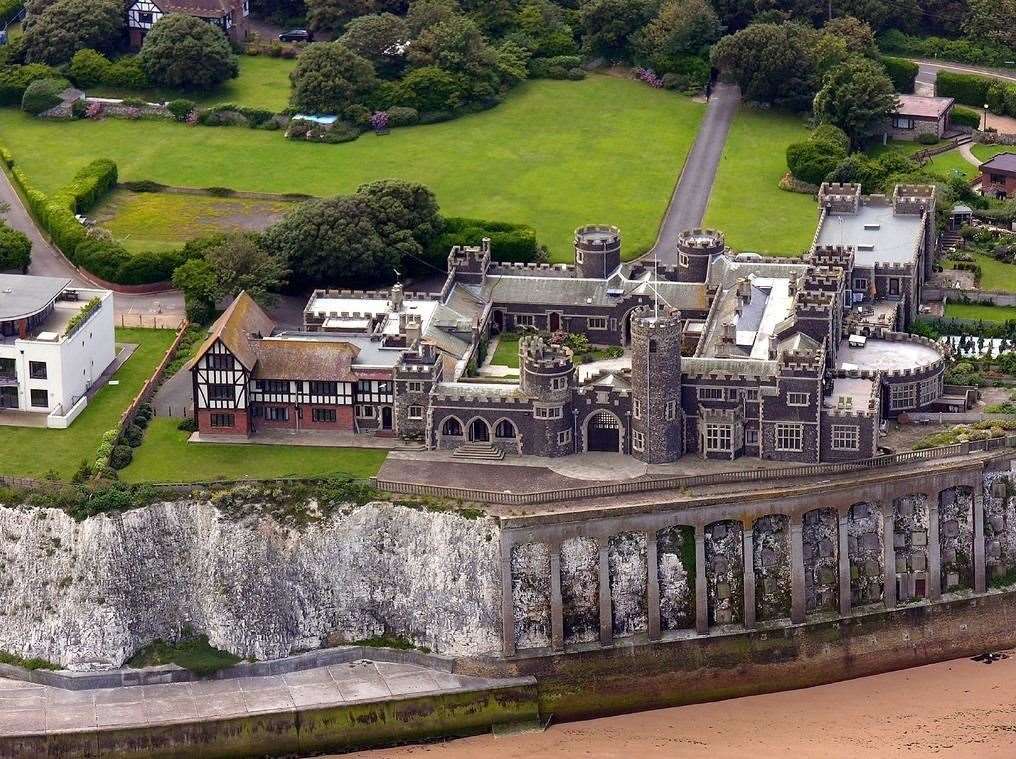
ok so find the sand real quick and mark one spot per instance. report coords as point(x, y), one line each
point(959, 708)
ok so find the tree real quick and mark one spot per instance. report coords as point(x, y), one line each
point(185, 51)
point(512, 61)
point(455, 45)
point(379, 38)
point(423, 14)
point(858, 35)
point(772, 63)
point(89, 68)
point(240, 262)
point(333, 15)
point(681, 28)
point(992, 20)
point(66, 26)
point(429, 89)
point(399, 206)
point(197, 279)
point(856, 96)
point(812, 161)
point(329, 77)
point(608, 25)
point(541, 27)
point(15, 249)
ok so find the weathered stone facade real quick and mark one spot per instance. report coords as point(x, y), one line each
point(675, 553)
point(910, 546)
point(771, 541)
point(866, 553)
point(627, 561)
point(956, 537)
point(821, 575)
point(531, 594)
point(580, 589)
point(725, 572)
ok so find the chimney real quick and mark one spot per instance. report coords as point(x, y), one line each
point(414, 330)
point(729, 333)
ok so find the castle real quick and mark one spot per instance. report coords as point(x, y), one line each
point(725, 354)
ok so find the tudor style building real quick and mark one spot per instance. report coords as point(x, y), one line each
point(229, 15)
point(727, 354)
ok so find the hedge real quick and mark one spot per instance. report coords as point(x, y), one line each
point(509, 242)
point(557, 67)
point(903, 73)
point(978, 90)
point(14, 80)
point(958, 50)
point(966, 117)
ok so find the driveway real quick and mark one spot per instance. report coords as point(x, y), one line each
point(928, 73)
point(691, 196)
point(164, 309)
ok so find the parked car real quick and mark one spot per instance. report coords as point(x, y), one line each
point(296, 35)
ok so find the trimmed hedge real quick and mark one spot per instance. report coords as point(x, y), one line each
point(557, 67)
point(966, 117)
point(902, 72)
point(43, 94)
point(509, 242)
point(958, 50)
point(966, 88)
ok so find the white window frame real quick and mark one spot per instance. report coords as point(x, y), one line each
point(564, 437)
point(558, 383)
point(704, 393)
point(596, 322)
point(860, 285)
point(548, 412)
point(524, 320)
point(638, 441)
point(684, 260)
point(414, 386)
point(636, 408)
point(903, 395)
point(751, 436)
point(751, 395)
point(787, 434)
point(795, 398)
point(414, 412)
point(846, 437)
point(366, 412)
point(719, 437)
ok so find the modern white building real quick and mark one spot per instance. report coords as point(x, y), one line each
point(55, 343)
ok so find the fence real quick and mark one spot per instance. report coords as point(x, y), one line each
point(152, 321)
point(650, 484)
point(152, 384)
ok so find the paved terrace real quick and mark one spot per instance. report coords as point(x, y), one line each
point(32, 709)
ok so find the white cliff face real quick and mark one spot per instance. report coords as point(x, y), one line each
point(89, 594)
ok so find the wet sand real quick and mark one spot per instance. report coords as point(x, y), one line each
point(960, 708)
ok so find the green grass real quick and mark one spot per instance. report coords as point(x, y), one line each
point(162, 221)
point(33, 452)
point(555, 155)
point(193, 653)
point(906, 147)
point(263, 83)
point(746, 203)
point(166, 456)
point(996, 276)
point(507, 352)
point(978, 312)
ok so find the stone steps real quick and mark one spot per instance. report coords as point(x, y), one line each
point(478, 451)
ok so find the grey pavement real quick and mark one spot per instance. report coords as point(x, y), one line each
point(28, 708)
point(928, 73)
point(165, 308)
point(691, 196)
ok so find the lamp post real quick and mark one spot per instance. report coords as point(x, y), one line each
point(985, 127)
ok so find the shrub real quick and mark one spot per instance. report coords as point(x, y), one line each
point(400, 116)
point(509, 242)
point(812, 161)
point(186, 51)
point(42, 94)
point(145, 411)
point(128, 73)
point(966, 117)
point(91, 184)
point(902, 73)
point(966, 88)
point(122, 456)
point(89, 68)
point(555, 67)
point(14, 80)
point(833, 135)
point(133, 436)
point(188, 425)
point(927, 138)
point(180, 108)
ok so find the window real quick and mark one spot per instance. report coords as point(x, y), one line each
point(670, 410)
point(902, 122)
point(559, 383)
point(220, 361)
point(451, 427)
point(524, 320)
point(997, 178)
point(414, 412)
point(145, 17)
point(930, 390)
point(798, 399)
point(551, 412)
point(636, 408)
point(564, 437)
point(223, 420)
point(638, 441)
point(596, 322)
point(37, 369)
point(860, 285)
point(218, 392)
point(40, 398)
point(414, 387)
point(504, 429)
point(710, 393)
point(789, 437)
point(846, 437)
point(751, 437)
point(324, 388)
point(903, 395)
point(734, 393)
point(718, 437)
point(276, 413)
point(365, 412)
point(323, 415)
point(272, 386)
point(894, 286)
point(684, 260)
point(751, 395)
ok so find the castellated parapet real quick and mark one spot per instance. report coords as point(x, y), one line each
point(840, 197)
point(657, 418)
point(470, 263)
point(695, 249)
point(832, 256)
point(913, 199)
point(547, 372)
point(597, 250)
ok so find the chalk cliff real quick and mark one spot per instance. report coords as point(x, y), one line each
point(89, 594)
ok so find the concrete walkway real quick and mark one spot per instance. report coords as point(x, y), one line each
point(31, 709)
point(691, 196)
point(968, 154)
point(311, 439)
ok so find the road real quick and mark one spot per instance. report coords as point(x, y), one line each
point(164, 309)
point(925, 82)
point(691, 196)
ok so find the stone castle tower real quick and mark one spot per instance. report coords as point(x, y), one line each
point(657, 421)
point(695, 248)
point(597, 251)
point(547, 378)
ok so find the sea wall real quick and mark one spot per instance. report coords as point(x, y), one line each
point(89, 594)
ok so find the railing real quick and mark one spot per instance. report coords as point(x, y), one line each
point(650, 484)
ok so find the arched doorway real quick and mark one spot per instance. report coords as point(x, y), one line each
point(603, 432)
point(479, 431)
point(554, 321)
point(504, 430)
point(451, 427)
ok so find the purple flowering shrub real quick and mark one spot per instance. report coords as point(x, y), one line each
point(648, 76)
point(93, 110)
point(379, 121)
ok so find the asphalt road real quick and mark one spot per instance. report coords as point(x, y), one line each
point(925, 82)
point(691, 196)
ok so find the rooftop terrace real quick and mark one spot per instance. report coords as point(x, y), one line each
point(879, 235)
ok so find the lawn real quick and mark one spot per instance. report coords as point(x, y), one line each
point(746, 203)
point(159, 221)
point(166, 456)
point(507, 351)
point(263, 83)
point(996, 276)
point(555, 155)
point(33, 452)
point(978, 312)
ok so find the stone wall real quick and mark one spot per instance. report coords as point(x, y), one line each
point(580, 589)
point(89, 594)
point(956, 536)
point(910, 544)
point(771, 540)
point(626, 556)
point(821, 574)
point(725, 572)
point(675, 552)
point(531, 593)
point(866, 553)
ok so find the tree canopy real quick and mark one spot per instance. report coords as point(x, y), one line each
point(188, 52)
point(329, 77)
point(379, 38)
point(66, 26)
point(856, 96)
point(15, 249)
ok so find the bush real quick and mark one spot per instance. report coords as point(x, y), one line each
point(188, 425)
point(186, 51)
point(927, 138)
point(966, 88)
point(91, 184)
point(811, 161)
point(833, 135)
point(556, 67)
point(43, 94)
point(133, 436)
point(9, 9)
point(127, 72)
point(509, 242)
point(902, 73)
point(89, 68)
point(122, 456)
point(180, 108)
point(400, 116)
point(14, 80)
point(959, 50)
point(965, 117)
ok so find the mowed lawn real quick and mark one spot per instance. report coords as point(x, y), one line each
point(978, 312)
point(747, 203)
point(166, 456)
point(555, 155)
point(263, 82)
point(33, 452)
point(946, 163)
point(996, 276)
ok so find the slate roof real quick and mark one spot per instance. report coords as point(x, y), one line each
point(575, 291)
point(923, 107)
point(242, 319)
point(1001, 162)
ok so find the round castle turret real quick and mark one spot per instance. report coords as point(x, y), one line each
point(657, 420)
point(547, 377)
point(597, 251)
point(695, 248)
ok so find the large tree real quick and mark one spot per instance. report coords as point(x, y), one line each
point(609, 25)
point(15, 249)
point(856, 96)
point(424, 14)
point(993, 20)
point(401, 207)
point(857, 34)
point(681, 28)
point(185, 51)
point(380, 38)
point(66, 26)
point(457, 46)
point(329, 77)
point(333, 15)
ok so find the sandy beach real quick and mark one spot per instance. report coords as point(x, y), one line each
point(960, 708)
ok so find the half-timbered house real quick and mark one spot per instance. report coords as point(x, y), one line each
point(229, 15)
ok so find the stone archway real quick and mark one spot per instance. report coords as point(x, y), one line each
point(603, 432)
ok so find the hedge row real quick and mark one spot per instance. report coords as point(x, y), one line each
point(512, 242)
point(959, 50)
point(557, 67)
point(978, 91)
point(14, 80)
point(902, 72)
point(965, 117)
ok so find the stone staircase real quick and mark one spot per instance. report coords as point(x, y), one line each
point(478, 452)
point(951, 239)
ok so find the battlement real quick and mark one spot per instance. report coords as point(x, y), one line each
point(804, 361)
point(840, 197)
point(667, 320)
point(597, 237)
point(700, 241)
point(537, 355)
point(470, 258)
point(911, 199)
point(832, 256)
point(516, 267)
